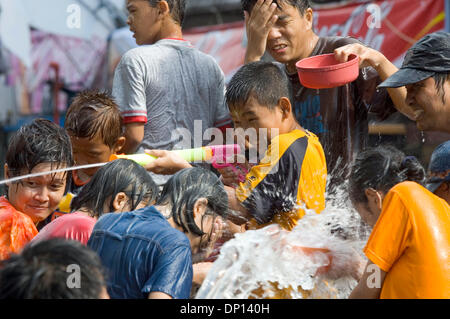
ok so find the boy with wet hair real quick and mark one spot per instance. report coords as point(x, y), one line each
point(46, 270)
point(291, 176)
point(94, 124)
point(38, 147)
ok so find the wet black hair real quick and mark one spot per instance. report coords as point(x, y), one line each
point(182, 191)
point(264, 81)
point(93, 113)
point(177, 9)
point(43, 270)
point(381, 168)
point(120, 175)
point(301, 5)
point(41, 141)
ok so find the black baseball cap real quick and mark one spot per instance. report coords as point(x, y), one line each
point(428, 56)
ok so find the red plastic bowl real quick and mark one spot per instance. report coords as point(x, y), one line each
point(324, 71)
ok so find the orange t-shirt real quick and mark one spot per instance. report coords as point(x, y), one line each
point(16, 229)
point(411, 243)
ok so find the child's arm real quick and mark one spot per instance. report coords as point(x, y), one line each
point(167, 163)
point(369, 287)
point(134, 134)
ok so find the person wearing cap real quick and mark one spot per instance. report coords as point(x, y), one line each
point(439, 172)
point(338, 116)
point(425, 74)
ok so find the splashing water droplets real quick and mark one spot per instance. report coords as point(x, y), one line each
point(73, 168)
point(311, 261)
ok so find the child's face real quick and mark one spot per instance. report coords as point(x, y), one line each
point(39, 196)
point(143, 21)
point(264, 122)
point(90, 151)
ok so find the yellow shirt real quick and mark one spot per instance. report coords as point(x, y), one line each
point(411, 242)
point(292, 175)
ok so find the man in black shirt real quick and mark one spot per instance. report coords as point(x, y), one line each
point(338, 116)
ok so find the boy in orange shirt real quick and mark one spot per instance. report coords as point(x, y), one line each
point(409, 244)
point(36, 148)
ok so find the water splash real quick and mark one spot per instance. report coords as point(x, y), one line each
point(273, 263)
point(60, 170)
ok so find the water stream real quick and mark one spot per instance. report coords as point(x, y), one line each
point(55, 171)
point(274, 263)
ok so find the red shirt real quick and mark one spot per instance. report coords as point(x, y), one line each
point(76, 226)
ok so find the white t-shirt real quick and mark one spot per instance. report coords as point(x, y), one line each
point(168, 86)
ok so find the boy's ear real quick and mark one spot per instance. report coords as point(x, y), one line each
point(119, 144)
point(163, 8)
point(285, 106)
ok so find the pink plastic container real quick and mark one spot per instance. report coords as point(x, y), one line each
point(324, 71)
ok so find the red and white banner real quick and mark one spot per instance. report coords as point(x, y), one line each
point(389, 26)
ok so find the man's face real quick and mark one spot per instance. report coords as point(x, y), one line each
point(89, 151)
point(39, 196)
point(255, 116)
point(287, 41)
point(431, 112)
point(143, 22)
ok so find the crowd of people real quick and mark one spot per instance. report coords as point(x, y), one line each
point(153, 231)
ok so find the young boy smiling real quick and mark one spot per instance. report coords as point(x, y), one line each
point(292, 174)
point(94, 125)
point(36, 148)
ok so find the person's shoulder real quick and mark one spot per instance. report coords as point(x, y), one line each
point(9, 213)
point(152, 218)
point(409, 193)
point(407, 187)
point(204, 58)
point(414, 192)
point(339, 41)
point(138, 55)
point(76, 219)
point(291, 137)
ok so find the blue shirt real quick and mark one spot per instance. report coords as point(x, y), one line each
point(142, 253)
